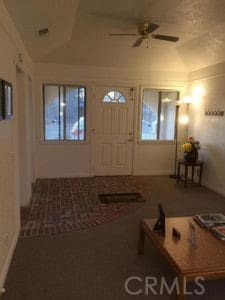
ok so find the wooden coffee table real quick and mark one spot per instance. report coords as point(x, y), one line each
point(206, 259)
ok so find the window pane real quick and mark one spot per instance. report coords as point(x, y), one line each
point(112, 95)
point(149, 114)
point(61, 115)
point(81, 114)
point(72, 114)
point(64, 112)
point(158, 114)
point(75, 113)
point(51, 112)
point(107, 99)
point(122, 99)
point(167, 117)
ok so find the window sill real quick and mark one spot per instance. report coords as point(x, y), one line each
point(63, 143)
point(156, 142)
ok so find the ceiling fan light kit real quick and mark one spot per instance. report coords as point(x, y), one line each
point(144, 32)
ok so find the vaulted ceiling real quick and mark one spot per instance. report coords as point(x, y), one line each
point(78, 32)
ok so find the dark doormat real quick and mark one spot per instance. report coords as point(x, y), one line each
point(120, 197)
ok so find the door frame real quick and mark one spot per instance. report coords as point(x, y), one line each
point(111, 86)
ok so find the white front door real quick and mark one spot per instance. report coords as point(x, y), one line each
point(113, 130)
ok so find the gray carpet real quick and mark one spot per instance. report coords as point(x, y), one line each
point(94, 263)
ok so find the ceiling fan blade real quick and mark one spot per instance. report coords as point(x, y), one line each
point(138, 42)
point(165, 37)
point(152, 27)
point(123, 34)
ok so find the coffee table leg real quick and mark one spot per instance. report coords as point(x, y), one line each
point(141, 241)
point(181, 295)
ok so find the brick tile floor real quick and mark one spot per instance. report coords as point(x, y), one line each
point(68, 204)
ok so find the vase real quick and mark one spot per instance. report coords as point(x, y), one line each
point(191, 156)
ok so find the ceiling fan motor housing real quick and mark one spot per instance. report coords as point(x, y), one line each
point(143, 30)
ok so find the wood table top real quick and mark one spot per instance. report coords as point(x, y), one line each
point(208, 256)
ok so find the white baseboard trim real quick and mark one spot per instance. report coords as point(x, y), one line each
point(135, 173)
point(152, 173)
point(8, 261)
point(64, 175)
point(211, 187)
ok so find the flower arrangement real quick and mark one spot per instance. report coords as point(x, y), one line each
point(191, 148)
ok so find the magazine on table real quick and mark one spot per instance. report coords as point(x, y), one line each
point(209, 220)
point(219, 231)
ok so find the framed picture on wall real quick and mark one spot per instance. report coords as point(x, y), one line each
point(1, 100)
point(8, 100)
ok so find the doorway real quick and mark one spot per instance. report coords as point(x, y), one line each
point(113, 130)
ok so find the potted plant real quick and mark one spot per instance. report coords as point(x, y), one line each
point(191, 148)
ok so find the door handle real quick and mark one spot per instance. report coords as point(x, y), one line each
point(130, 140)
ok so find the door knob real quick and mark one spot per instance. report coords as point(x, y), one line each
point(130, 140)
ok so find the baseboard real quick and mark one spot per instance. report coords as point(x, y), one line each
point(64, 175)
point(8, 261)
point(152, 173)
point(135, 173)
point(211, 187)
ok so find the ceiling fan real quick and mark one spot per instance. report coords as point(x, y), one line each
point(144, 32)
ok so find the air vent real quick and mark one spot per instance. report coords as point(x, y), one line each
point(42, 32)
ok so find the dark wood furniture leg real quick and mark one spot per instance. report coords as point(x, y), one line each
point(185, 176)
point(141, 241)
point(192, 174)
point(200, 174)
point(178, 172)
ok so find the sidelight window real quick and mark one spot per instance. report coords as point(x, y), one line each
point(158, 114)
point(64, 112)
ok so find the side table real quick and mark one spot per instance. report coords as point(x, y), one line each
point(186, 165)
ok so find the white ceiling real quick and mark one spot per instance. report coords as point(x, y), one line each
point(79, 32)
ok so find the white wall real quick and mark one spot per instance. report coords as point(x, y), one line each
point(71, 159)
point(24, 136)
point(10, 46)
point(208, 90)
